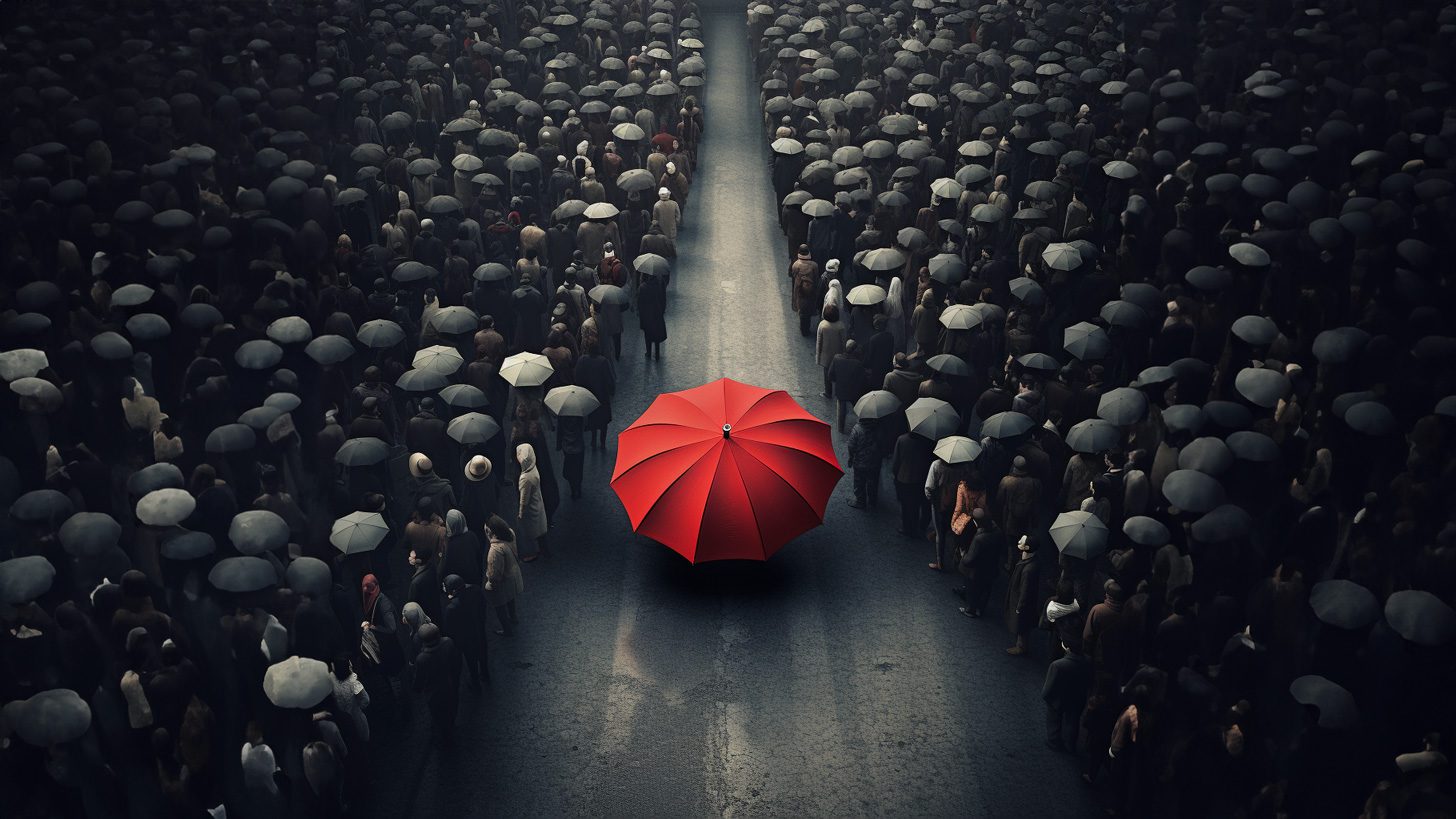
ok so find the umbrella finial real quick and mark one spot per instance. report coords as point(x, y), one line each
point(726, 429)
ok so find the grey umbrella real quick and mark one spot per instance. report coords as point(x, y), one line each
point(472, 428)
point(608, 294)
point(297, 682)
point(1420, 617)
point(1145, 531)
point(200, 316)
point(463, 396)
point(156, 476)
point(1255, 447)
point(1027, 290)
point(1210, 456)
point(230, 438)
point(37, 395)
point(110, 346)
point(289, 330)
point(455, 319)
point(380, 334)
point(165, 507)
point(49, 718)
point(310, 576)
point(947, 364)
point(1192, 491)
point(876, 404)
point(358, 532)
point(188, 546)
point(883, 259)
point(148, 327)
point(23, 363)
point(1007, 424)
point(1339, 345)
point(89, 534)
point(947, 268)
point(1079, 534)
point(438, 359)
point(41, 506)
point(329, 349)
point(242, 574)
point(1371, 418)
point(411, 271)
point(634, 181)
point(651, 264)
point(1256, 330)
point(258, 354)
point(1093, 435)
point(932, 418)
point(260, 418)
point(491, 272)
point(1122, 406)
point(1262, 387)
point(362, 452)
point(571, 402)
point(23, 579)
point(1222, 524)
point(257, 531)
point(1337, 709)
point(1086, 341)
point(421, 381)
point(1344, 604)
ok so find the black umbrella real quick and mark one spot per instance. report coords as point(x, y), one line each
point(258, 354)
point(463, 396)
point(1222, 524)
point(1371, 418)
point(1255, 447)
point(1122, 406)
point(165, 507)
point(1344, 604)
point(1039, 362)
point(23, 579)
point(49, 718)
point(1093, 435)
point(1420, 617)
point(329, 349)
point(1145, 531)
point(230, 438)
point(1192, 491)
point(189, 546)
point(406, 272)
point(1336, 705)
point(89, 534)
point(257, 531)
point(242, 574)
point(1210, 456)
point(362, 452)
point(1256, 330)
point(1339, 345)
point(200, 316)
point(40, 506)
point(1007, 424)
point(947, 364)
point(111, 346)
point(310, 576)
point(1262, 387)
point(380, 334)
point(156, 476)
point(1079, 534)
point(148, 327)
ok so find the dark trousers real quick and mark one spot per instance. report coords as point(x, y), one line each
point(841, 413)
point(828, 385)
point(476, 665)
point(911, 497)
point(506, 614)
point(1061, 726)
point(805, 319)
point(867, 485)
point(617, 344)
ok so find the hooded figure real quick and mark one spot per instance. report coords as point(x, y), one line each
point(531, 519)
point(676, 184)
point(437, 675)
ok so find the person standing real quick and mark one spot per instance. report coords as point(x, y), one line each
point(804, 289)
point(909, 464)
point(1016, 498)
point(595, 373)
point(1065, 693)
point(652, 314)
point(828, 343)
point(571, 440)
point(464, 622)
point(477, 494)
point(463, 554)
point(437, 675)
point(850, 381)
point(531, 519)
point(864, 458)
point(1022, 596)
point(503, 581)
point(980, 562)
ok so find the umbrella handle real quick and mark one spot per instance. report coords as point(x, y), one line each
point(726, 429)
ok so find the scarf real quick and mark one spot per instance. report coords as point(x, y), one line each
point(1056, 611)
point(371, 594)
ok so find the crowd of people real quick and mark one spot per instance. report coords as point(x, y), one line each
point(305, 310)
point(1143, 306)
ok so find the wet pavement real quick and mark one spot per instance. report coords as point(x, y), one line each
point(837, 679)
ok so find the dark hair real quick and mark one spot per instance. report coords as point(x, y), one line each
point(499, 529)
point(1114, 591)
point(831, 312)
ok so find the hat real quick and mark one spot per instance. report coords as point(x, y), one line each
point(420, 465)
point(453, 584)
point(477, 468)
point(663, 193)
point(427, 224)
point(832, 266)
point(1018, 466)
point(671, 168)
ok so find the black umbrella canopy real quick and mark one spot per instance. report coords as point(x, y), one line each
point(188, 546)
point(310, 576)
point(153, 477)
point(1420, 617)
point(257, 531)
point(49, 718)
point(242, 574)
point(230, 438)
point(1145, 531)
point(362, 452)
point(1208, 455)
point(380, 334)
point(1222, 524)
point(41, 506)
point(1344, 604)
point(1193, 491)
point(23, 579)
point(89, 534)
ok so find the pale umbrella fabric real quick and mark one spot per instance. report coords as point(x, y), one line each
point(358, 532)
point(527, 370)
point(297, 682)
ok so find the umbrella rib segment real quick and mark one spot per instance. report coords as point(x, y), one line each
point(737, 474)
point(797, 492)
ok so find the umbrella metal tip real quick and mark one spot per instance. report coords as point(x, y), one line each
point(726, 429)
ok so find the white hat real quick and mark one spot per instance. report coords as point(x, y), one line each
point(832, 266)
point(663, 193)
point(671, 168)
point(478, 468)
point(420, 465)
point(427, 224)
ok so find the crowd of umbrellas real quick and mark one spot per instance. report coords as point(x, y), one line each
point(1161, 287)
point(281, 288)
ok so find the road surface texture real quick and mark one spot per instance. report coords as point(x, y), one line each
point(837, 679)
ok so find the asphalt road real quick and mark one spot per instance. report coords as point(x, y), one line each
point(837, 679)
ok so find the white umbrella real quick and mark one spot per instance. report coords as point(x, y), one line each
point(957, 449)
point(526, 370)
point(297, 682)
point(572, 402)
point(866, 295)
point(358, 532)
point(438, 359)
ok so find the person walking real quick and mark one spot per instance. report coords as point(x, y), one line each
point(1023, 595)
point(477, 494)
point(531, 522)
point(804, 289)
point(437, 676)
point(652, 315)
point(849, 380)
point(980, 561)
point(828, 343)
point(595, 373)
point(503, 580)
point(1064, 691)
point(464, 622)
point(865, 456)
point(909, 464)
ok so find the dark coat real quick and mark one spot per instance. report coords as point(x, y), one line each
point(465, 556)
point(426, 433)
point(1022, 596)
point(595, 373)
point(1067, 680)
point(464, 621)
point(849, 376)
point(652, 309)
point(437, 673)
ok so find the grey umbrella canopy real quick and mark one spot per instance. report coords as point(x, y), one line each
point(1208, 455)
point(876, 404)
point(1007, 424)
point(148, 327)
point(463, 396)
point(455, 319)
point(421, 381)
point(1086, 341)
point(1093, 435)
point(1255, 447)
point(1222, 524)
point(438, 359)
point(329, 349)
point(932, 418)
point(358, 532)
point(41, 506)
point(89, 534)
point(242, 574)
point(1262, 387)
point(289, 330)
point(1337, 710)
point(1344, 604)
point(23, 579)
point(22, 363)
point(947, 364)
point(310, 576)
point(1339, 345)
point(472, 428)
point(37, 395)
point(1079, 534)
point(110, 346)
point(1371, 418)
point(258, 354)
point(1256, 330)
point(189, 546)
point(651, 264)
point(1420, 617)
point(571, 402)
point(380, 334)
point(1192, 491)
point(49, 718)
point(957, 449)
point(165, 507)
point(1145, 531)
point(609, 294)
point(490, 272)
point(156, 476)
point(362, 452)
point(230, 438)
point(1122, 406)
point(297, 682)
point(257, 531)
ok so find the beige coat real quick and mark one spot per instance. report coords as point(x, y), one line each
point(502, 572)
point(667, 214)
point(531, 513)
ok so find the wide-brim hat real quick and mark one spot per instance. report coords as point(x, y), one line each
point(477, 468)
point(420, 465)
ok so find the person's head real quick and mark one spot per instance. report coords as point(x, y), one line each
point(803, 251)
point(1027, 546)
point(851, 348)
point(499, 529)
point(455, 522)
point(429, 635)
point(1114, 459)
point(1018, 465)
point(425, 508)
point(420, 465)
point(526, 457)
point(453, 585)
point(342, 668)
point(1114, 591)
point(831, 313)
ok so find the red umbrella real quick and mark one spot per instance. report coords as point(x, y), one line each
point(725, 471)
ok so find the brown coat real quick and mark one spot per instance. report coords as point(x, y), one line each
point(804, 274)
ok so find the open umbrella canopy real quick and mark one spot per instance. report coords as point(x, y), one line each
point(526, 370)
point(876, 404)
point(571, 402)
point(1079, 534)
point(1093, 435)
point(932, 418)
point(257, 531)
point(230, 438)
point(310, 576)
point(463, 396)
point(1062, 256)
point(866, 295)
point(156, 476)
point(1007, 424)
point(957, 449)
point(1421, 617)
point(608, 294)
point(1145, 531)
point(297, 682)
point(1255, 447)
point(23, 363)
point(50, 717)
point(1122, 406)
point(438, 359)
point(1344, 604)
point(1192, 491)
point(362, 452)
point(89, 534)
point(472, 428)
point(1208, 455)
point(41, 506)
point(455, 319)
point(165, 507)
point(1086, 341)
point(420, 381)
point(960, 317)
point(289, 330)
point(329, 349)
point(258, 354)
point(1222, 524)
point(1262, 387)
point(725, 471)
point(1336, 706)
point(947, 364)
point(358, 532)
point(23, 579)
point(188, 546)
point(242, 574)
